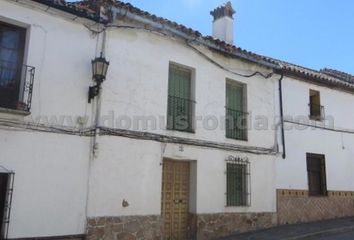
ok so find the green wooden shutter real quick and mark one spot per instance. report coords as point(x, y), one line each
point(234, 97)
point(236, 119)
point(179, 99)
point(179, 84)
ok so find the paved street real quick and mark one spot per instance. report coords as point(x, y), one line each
point(337, 229)
point(339, 236)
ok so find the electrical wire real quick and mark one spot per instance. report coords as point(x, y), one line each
point(103, 131)
point(320, 127)
point(266, 76)
point(20, 126)
point(186, 141)
point(188, 43)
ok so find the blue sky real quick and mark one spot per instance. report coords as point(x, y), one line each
point(311, 33)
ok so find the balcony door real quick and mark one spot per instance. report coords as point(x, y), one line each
point(12, 43)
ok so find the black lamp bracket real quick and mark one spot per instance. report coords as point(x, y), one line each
point(93, 92)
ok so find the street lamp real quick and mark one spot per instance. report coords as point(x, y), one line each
point(99, 72)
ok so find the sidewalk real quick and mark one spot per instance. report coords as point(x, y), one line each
point(299, 231)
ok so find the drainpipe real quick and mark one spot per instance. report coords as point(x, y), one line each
point(94, 147)
point(282, 114)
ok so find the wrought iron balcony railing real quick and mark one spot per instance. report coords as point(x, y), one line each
point(16, 86)
point(316, 112)
point(180, 114)
point(236, 124)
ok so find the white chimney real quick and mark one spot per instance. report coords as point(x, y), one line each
point(223, 24)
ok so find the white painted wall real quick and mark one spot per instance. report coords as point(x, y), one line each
point(138, 81)
point(50, 188)
point(52, 169)
point(61, 51)
point(131, 170)
point(137, 86)
point(337, 147)
point(50, 183)
point(126, 169)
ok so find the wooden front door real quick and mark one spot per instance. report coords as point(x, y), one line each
point(175, 199)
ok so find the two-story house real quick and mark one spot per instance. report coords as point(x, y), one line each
point(180, 147)
point(314, 179)
point(185, 137)
point(168, 147)
point(45, 58)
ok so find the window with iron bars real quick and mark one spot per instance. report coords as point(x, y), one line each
point(316, 109)
point(237, 182)
point(180, 106)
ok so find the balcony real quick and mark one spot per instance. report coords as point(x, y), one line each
point(316, 112)
point(16, 85)
point(236, 124)
point(180, 114)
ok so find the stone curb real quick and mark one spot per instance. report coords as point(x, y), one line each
point(323, 233)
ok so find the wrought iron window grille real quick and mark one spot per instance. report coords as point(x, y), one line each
point(16, 89)
point(317, 112)
point(6, 211)
point(236, 124)
point(180, 114)
point(238, 182)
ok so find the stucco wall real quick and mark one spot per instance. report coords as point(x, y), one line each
point(131, 170)
point(50, 183)
point(50, 169)
point(61, 51)
point(138, 82)
point(137, 86)
point(337, 147)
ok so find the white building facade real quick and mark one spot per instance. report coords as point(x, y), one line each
point(183, 139)
point(315, 174)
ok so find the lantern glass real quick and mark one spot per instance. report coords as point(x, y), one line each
point(99, 69)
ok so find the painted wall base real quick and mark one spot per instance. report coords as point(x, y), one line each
point(295, 206)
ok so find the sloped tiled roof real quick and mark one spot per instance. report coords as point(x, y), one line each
point(322, 77)
point(325, 76)
point(73, 8)
point(338, 74)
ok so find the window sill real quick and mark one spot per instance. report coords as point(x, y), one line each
point(182, 131)
point(14, 111)
point(318, 196)
point(237, 139)
point(315, 118)
point(240, 206)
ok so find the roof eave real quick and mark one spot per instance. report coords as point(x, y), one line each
point(72, 10)
point(160, 26)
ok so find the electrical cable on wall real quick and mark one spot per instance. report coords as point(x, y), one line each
point(20, 126)
point(188, 43)
point(266, 76)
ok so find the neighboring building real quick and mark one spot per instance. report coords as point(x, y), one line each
point(182, 141)
point(44, 71)
point(314, 181)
